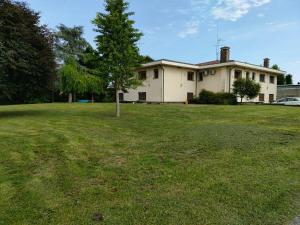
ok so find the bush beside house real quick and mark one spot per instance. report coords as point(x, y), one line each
point(208, 97)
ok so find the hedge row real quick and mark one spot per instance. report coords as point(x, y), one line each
point(208, 97)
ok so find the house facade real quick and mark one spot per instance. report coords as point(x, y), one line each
point(166, 81)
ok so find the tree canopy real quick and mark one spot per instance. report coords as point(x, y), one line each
point(27, 61)
point(79, 71)
point(246, 88)
point(117, 45)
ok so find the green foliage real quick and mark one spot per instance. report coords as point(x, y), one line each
point(69, 42)
point(289, 79)
point(281, 77)
point(208, 97)
point(117, 45)
point(76, 79)
point(246, 88)
point(145, 59)
point(80, 72)
point(27, 61)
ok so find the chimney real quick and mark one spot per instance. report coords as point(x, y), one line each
point(267, 62)
point(225, 54)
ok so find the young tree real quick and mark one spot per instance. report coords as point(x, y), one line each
point(117, 45)
point(27, 61)
point(246, 88)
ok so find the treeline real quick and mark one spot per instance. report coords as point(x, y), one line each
point(38, 64)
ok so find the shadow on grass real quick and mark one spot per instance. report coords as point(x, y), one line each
point(23, 113)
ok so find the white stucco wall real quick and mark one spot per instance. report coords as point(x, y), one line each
point(153, 88)
point(172, 84)
point(267, 88)
point(219, 82)
point(176, 84)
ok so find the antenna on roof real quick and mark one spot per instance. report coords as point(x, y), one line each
point(218, 43)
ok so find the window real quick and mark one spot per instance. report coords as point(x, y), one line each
point(262, 78)
point(156, 74)
point(212, 72)
point(190, 76)
point(237, 74)
point(272, 79)
point(200, 76)
point(190, 96)
point(142, 75)
point(121, 97)
point(253, 76)
point(271, 98)
point(262, 97)
point(247, 75)
point(142, 96)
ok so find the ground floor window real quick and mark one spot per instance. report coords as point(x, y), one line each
point(262, 97)
point(142, 96)
point(121, 97)
point(190, 96)
point(271, 98)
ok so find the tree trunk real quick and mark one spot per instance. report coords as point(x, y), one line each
point(92, 98)
point(117, 104)
point(70, 98)
point(74, 98)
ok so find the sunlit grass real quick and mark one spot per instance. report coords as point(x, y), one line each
point(157, 164)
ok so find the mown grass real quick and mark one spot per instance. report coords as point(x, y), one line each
point(157, 164)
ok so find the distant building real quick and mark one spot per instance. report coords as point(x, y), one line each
point(288, 91)
point(170, 81)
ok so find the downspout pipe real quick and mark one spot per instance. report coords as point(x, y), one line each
point(163, 84)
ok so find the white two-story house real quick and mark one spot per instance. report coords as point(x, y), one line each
point(166, 81)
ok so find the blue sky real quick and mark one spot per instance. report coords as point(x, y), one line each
point(186, 30)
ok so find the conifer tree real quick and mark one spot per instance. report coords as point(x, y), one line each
point(117, 46)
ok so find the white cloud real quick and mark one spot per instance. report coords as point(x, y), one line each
point(233, 10)
point(190, 28)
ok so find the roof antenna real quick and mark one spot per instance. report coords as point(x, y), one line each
point(218, 43)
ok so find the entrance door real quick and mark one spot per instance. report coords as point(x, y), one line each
point(190, 96)
point(271, 98)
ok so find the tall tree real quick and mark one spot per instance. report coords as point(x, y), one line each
point(78, 72)
point(289, 79)
point(281, 77)
point(27, 61)
point(117, 45)
point(69, 42)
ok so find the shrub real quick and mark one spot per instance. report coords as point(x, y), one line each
point(208, 97)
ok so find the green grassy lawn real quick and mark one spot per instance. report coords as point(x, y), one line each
point(156, 165)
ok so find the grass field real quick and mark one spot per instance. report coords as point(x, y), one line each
point(158, 164)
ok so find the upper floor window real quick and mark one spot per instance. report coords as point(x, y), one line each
point(190, 76)
point(142, 75)
point(200, 76)
point(247, 75)
point(262, 77)
point(253, 76)
point(156, 73)
point(237, 74)
point(272, 79)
